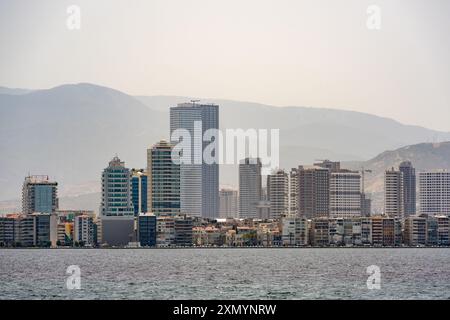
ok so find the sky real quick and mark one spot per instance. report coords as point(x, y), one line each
point(317, 53)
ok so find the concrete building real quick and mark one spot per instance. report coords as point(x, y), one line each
point(394, 194)
point(386, 231)
point(320, 232)
point(7, 234)
point(263, 210)
point(293, 191)
point(278, 193)
point(116, 209)
point(416, 232)
point(139, 190)
point(294, 231)
point(228, 203)
point(83, 230)
point(250, 187)
point(345, 194)
point(165, 231)
point(183, 231)
point(199, 180)
point(163, 192)
point(147, 230)
point(314, 191)
point(39, 194)
point(409, 187)
point(434, 192)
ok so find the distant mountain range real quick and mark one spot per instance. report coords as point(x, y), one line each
point(70, 132)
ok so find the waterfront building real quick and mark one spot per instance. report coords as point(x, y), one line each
point(250, 187)
point(199, 181)
point(320, 232)
point(345, 194)
point(314, 191)
point(278, 193)
point(7, 234)
point(84, 231)
point(147, 230)
point(139, 190)
point(294, 231)
point(165, 231)
point(434, 193)
point(263, 210)
point(116, 209)
point(415, 233)
point(39, 194)
point(163, 192)
point(183, 231)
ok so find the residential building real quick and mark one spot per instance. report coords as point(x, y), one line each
point(434, 193)
point(294, 231)
point(84, 233)
point(314, 191)
point(147, 230)
point(394, 204)
point(409, 187)
point(163, 192)
point(345, 194)
point(278, 193)
point(116, 209)
point(250, 187)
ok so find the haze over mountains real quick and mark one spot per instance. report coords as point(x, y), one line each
point(70, 132)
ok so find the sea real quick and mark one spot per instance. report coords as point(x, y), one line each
point(226, 273)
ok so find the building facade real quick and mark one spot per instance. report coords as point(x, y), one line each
point(250, 187)
point(199, 180)
point(228, 203)
point(278, 193)
point(434, 193)
point(139, 190)
point(39, 194)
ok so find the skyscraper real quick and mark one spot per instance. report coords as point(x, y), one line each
point(163, 194)
point(394, 204)
point(199, 182)
point(116, 209)
point(409, 187)
point(434, 193)
point(278, 193)
point(250, 192)
point(314, 191)
point(39, 194)
point(345, 194)
point(139, 191)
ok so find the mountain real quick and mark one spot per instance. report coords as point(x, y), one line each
point(70, 132)
point(424, 156)
point(14, 91)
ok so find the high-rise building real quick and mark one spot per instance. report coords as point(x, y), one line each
point(434, 193)
point(147, 230)
point(394, 194)
point(278, 193)
point(345, 194)
point(139, 190)
point(293, 191)
point(116, 209)
point(163, 192)
point(416, 232)
point(228, 203)
point(39, 194)
point(199, 180)
point(314, 191)
point(250, 187)
point(330, 165)
point(7, 228)
point(409, 187)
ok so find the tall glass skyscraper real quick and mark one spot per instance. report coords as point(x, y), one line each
point(163, 192)
point(199, 183)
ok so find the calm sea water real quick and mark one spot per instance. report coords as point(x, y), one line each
point(225, 273)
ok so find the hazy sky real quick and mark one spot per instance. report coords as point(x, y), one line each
point(316, 53)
